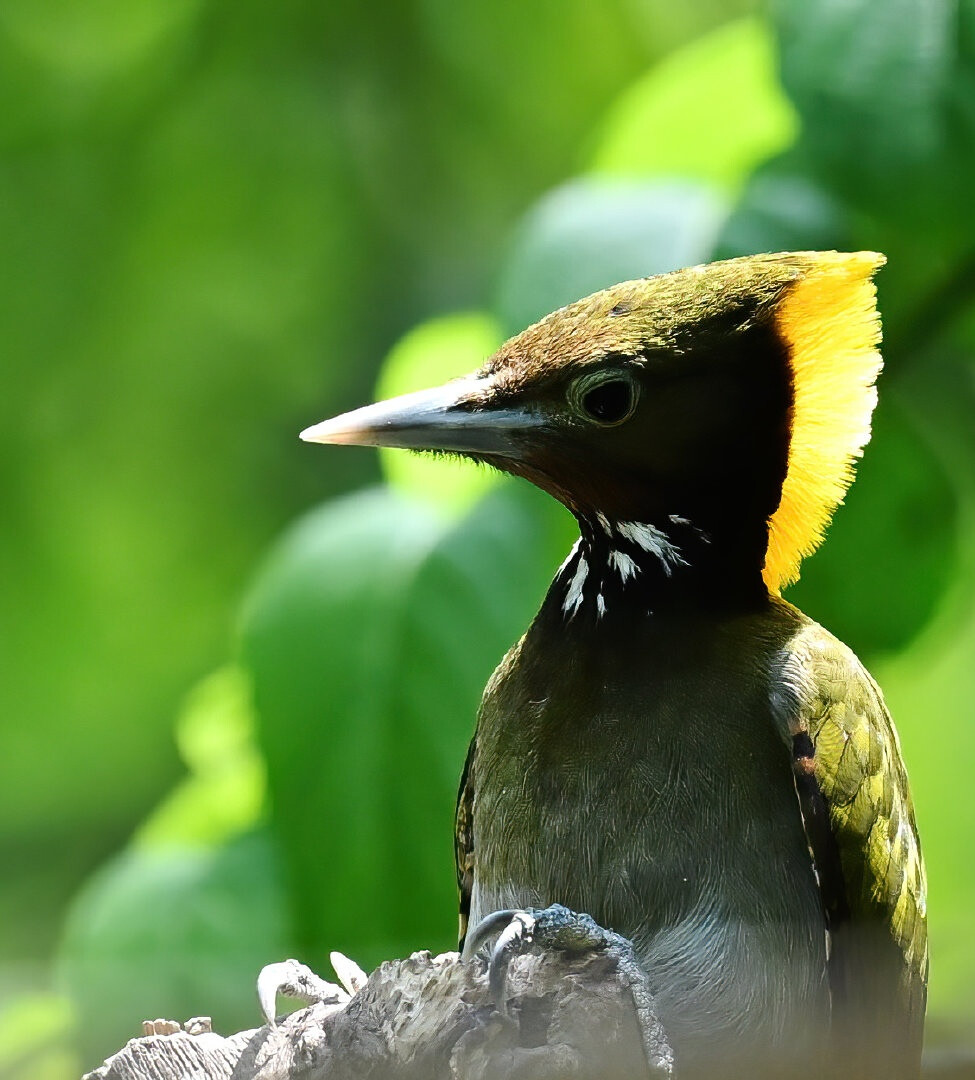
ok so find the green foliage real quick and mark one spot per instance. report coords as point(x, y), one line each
point(36, 1031)
point(179, 923)
point(887, 105)
point(223, 795)
point(216, 219)
point(782, 209)
point(173, 932)
point(592, 233)
point(713, 110)
point(930, 689)
point(369, 635)
point(903, 495)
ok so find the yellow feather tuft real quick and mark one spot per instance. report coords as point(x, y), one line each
point(829, 321)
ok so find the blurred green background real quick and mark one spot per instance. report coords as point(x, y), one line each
point(239, 672)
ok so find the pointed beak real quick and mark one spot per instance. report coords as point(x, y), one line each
point(457, 417)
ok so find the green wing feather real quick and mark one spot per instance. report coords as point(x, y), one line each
point(879, 949)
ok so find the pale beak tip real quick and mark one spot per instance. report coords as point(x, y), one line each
point(319, 433)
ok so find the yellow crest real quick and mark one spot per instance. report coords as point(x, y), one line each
point(829, 321)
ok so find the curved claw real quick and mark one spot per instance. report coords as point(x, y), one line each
point(517, 929)
point(295, 980)
point(485, 930)
point(516, 935)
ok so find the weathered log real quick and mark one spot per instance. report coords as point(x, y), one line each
point(426, 1018)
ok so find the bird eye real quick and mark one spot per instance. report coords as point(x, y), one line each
point(606, 397)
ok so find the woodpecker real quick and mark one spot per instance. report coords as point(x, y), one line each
point(671, 747)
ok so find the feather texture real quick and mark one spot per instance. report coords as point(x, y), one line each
point(829, 322)
point(879, 959)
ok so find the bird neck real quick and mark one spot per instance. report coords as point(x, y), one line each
point(651, 567)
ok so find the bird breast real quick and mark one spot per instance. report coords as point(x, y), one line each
point(635, 771)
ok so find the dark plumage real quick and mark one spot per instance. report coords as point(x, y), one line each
point(671, 747)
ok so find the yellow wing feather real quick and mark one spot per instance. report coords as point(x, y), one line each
point(858, 765)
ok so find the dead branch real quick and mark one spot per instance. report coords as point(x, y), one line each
point(424, 1018)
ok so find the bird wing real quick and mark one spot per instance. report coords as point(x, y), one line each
point(464, 841)
point(859, 820)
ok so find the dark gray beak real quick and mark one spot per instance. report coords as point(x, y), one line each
point(455, 417)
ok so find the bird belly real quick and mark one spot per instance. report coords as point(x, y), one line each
point(666, 809)
point(728, 986)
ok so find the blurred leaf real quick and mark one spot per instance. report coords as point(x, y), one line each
point(83, 41)
point(224, 794)
point(457, 115)
point(782, 209)
point(930, 689)
point(592, 233)
point(35, 1029)
point(431, 354)
point(521, 86)
point(931, 686)
point(370, 635)
point(886, 93)
point(890, 553)
point(173, 933)
point(215, 219)
point(711, 111)
point(68, 66)
point(167, 302)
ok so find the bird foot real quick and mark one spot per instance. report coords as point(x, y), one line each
point(558, 927)
point(297, 981)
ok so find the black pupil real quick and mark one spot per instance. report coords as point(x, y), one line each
point(609, 402)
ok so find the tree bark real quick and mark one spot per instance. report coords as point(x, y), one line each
point(426, 1018)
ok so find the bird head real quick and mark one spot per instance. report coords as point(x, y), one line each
point(733, 397)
